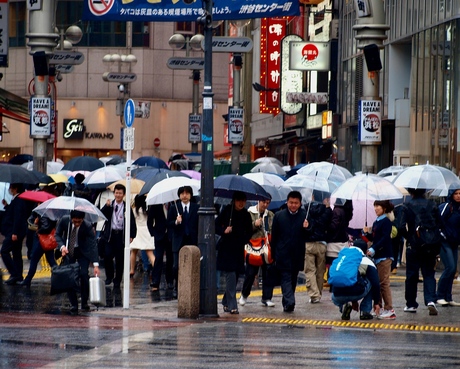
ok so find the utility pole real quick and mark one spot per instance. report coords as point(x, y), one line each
point(206, 213)
point(370, 31)
point(236, 144)
point(42, 41)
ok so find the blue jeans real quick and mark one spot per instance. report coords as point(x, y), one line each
point(449, 257)
point(366, 296)
point(415, 261)
point(37, 253)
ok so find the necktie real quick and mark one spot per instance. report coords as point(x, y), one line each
point(186, 229)
point(72, 241)
point(116, 208)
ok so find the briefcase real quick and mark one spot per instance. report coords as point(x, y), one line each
point(97, 295)
point(65, 277)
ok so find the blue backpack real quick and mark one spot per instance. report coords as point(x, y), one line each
point(344, 270)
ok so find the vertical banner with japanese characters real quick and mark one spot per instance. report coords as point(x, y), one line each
point(370, 121)
point(235, 125)
point(273, 31)
point(3, 33)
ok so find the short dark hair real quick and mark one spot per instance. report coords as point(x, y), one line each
point(19, 187)
point(77, 214)
point(79, 178)
point(187, 189)
point(238, 195)
point(294, 195)
point(120, 186)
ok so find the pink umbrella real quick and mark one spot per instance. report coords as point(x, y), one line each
point(192, 174)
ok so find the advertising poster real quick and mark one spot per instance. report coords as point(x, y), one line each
point(40, 116)
point(194, 128)
point(370, 121)
point(235, 125)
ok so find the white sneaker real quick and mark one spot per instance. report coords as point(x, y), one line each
point(453, 303)
point(411, 309)
point(268, 303)
point(242, 301)
point(442, 302)
point(387, 314)
point(432, 308)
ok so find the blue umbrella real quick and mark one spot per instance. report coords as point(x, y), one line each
point(87, 163)
point(20, 159)
point(150, 161)
point(147, 173)
point(226, 185)
point(294, 170)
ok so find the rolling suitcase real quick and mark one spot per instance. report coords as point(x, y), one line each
point(97, 292)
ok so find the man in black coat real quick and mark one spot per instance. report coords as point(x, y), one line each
point(288, 246)
point(14, 228)
point(157, 226)
point(114, 233)
point(84, 252)
point(182, 224)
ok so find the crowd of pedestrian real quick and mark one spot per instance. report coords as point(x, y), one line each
point(302, 236)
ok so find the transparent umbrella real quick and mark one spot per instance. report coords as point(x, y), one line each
point(324, 169)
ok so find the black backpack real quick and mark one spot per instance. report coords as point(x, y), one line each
point(427, 233)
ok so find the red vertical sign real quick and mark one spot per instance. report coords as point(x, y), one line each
point(273, 31)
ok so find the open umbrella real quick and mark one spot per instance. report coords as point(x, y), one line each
point(160, 177)
point(427, 177)
point(87, 163)
point(20, 159)
point(391, 171)
point(59, 178)
point(52, 167)
point(36, 196)
point(269, 159)
point(268, 168)
point(166, 190)
point(60, 206)
point(312, 182)
point(4, 194)
point(324, 169)
point(150, 161)
point(279, 195)
point(226, 185)
point(17, 174)
point(135, 186)
point(265, 178)
point(192, 173)
point(147, 173)
point(102, 177)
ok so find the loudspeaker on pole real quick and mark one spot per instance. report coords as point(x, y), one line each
point(372, 56)
point(40, 63)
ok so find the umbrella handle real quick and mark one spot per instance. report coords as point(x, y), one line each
point(308, 209)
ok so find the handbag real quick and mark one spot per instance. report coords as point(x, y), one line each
point(48, 241)
point(65, 277)
point(258, 252)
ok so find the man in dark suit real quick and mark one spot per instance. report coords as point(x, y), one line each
point(182, 225)
point(14, 228)
point(80, 248)
point(157, 226)
point(114, 233)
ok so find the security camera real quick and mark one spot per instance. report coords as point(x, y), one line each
point(59, 77)
point(121, 88)
point(205, 19)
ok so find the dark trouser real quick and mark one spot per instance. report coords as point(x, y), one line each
point(250, 274)
point(37, 253)
point(13, 264)
point(397, 245)
point(288, 286)
point(84, 281)
point(161, 247)
point(229, 299)
point(415, 261)
point(115, 249)
point(449, 257)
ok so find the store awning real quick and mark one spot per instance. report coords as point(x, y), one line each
point(14, 107)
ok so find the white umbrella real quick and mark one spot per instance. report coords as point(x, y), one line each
point(4, 194)
point(269, 159)
point(102, 177)
point(278, 193)
point(60, 206)
point(367, 187)
point(427, 177)
point(166, 190)
point(324, 169)
point(391, 171)
point(52, 167)
point(265, 178)
point(268, 168)
point(311, 182)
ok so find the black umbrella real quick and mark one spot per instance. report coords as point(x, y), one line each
point(16, 174)
point(21, 159)
point(87, 163)
point(150, 161)
point(226, 185)
point(158, 178)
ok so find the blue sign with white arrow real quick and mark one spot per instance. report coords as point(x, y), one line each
point(129, 112)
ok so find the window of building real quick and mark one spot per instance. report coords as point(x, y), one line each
point(17, 24)
point(141, 34)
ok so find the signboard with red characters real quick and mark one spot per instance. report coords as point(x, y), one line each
point(310, 56)
point(273, 31)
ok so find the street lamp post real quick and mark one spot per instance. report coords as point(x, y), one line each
point(178, 41)
point(206, 228)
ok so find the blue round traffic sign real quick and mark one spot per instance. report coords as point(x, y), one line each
point(129, 112)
